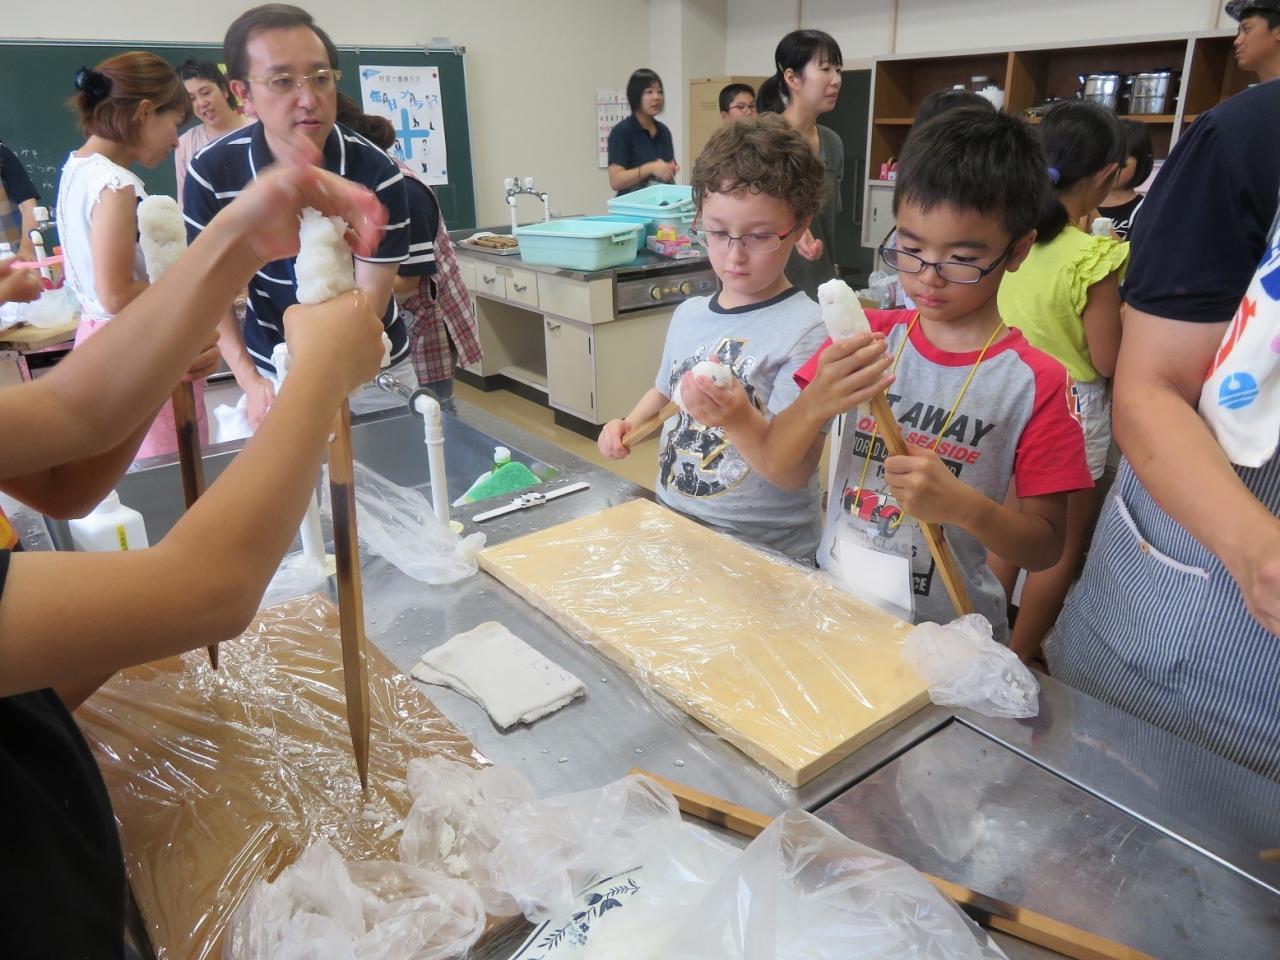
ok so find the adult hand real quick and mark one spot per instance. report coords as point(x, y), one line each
point(259, 394)
point(1257, 573)
point(662, 170)
point(266, 214)
point(611, 437)
point(205, 364)
point(923, 486)
point(18, 286)
point(809, 246)
point(711, 405)
point(341, 337)
point(850, 372)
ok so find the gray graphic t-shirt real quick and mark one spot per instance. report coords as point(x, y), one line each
point(700, 473)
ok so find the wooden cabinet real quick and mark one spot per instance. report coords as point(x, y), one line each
point(1030, 77)
point(570, 367)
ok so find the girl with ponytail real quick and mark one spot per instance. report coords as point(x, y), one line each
point(129, 108)
point(1065, 298)
point(805, 85)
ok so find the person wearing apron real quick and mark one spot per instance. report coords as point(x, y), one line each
point(1176, 616)
point(98, 196)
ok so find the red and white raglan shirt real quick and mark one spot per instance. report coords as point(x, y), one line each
point(1017, 421)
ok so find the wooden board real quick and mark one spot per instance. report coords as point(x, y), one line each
point(221, 779)
point(787, 667)
point(36, 338)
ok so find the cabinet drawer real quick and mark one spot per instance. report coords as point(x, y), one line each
point(522, 287)
point(490, 280)
point(585, 302)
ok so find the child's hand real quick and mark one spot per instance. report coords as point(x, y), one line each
point(206, 364)
point(611, 437)
point(342, 336)
point(850, 372)
point(711, 405)
point(924, 487)
point(809, 246)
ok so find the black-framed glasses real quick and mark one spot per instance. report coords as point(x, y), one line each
point(321, 81)
point(949, 270)
point(743, 107)
point(722, 240)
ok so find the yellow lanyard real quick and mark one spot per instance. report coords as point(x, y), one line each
point(866, 461)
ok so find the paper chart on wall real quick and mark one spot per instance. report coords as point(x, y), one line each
point(611, 110)
point(410, 98)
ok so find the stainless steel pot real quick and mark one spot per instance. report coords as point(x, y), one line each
point(1103, 88)
point(1151, 93)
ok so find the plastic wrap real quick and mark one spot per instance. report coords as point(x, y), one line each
point(398, 524)
point(965, 667)
point(615, 874)
point(800, 891)
point(786, 666)
point(221, 778)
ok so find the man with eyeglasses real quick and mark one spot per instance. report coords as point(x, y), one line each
point(737, 100)
point(286, 68)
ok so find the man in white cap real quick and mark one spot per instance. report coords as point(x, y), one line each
point(1257, 43)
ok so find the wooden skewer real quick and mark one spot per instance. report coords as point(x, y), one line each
point(1272, 854)
point(190, 459)
point(997, 914)
point(647, 428)
point(891, 434)
point(346, 547)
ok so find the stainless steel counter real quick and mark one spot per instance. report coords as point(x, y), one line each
point(1083, 813)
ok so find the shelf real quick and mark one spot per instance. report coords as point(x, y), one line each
point(896, 121)
point(1190, 117)
point(1152, 118)
point(526, 375)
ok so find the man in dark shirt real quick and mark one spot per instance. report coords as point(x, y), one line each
point(1257, 45)
point(18, 199)
point(285, 67)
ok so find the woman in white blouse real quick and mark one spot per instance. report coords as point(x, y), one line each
point(130, 108)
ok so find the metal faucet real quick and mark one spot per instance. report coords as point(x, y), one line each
point(515, 186)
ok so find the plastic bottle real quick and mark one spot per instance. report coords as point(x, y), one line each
point(111, 526)
point(501, 457)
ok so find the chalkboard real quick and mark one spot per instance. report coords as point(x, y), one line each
point(36, 123)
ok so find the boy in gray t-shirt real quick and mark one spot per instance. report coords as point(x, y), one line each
point(757, 185)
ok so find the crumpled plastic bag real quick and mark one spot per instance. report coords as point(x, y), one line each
point(323, 908)
point(965, 667)
point(398, 524)
point(800, 891)
point(232, 423)
point(53, 308)
point(297, 575)
point(458, 815)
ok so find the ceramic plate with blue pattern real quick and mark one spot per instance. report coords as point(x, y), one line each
point(565, 938)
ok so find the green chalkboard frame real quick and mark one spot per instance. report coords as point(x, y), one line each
point(35, 122)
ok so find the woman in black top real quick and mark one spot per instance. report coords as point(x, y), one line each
point(70, 620)
point(640, 148)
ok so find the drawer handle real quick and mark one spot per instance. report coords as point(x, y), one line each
point(488, 280)
point(520, 287)
point(552, 326)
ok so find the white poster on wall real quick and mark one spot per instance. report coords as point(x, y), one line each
point(611, 109)
point(410, 98)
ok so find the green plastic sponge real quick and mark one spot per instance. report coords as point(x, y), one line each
point(506, 479)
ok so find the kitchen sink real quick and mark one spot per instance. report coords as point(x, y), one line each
point(390, 443)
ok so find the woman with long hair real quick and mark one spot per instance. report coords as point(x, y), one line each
point(805, 85)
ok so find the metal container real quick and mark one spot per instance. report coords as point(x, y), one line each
point(1150, 92)
point(1103, 88)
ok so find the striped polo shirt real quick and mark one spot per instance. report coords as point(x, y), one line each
point(218, 173)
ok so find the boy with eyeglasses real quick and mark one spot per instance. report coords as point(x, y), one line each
point(757, 184)
point(285, 67)
point(979, 407)
point(737, 100)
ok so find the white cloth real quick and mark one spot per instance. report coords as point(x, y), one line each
point(492, 666)
point(79, 189)
point(1241, 396)
point(1093, 403)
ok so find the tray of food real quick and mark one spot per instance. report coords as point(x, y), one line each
point(504, 245)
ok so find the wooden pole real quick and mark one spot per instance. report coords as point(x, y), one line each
point(346, 547)
point(997, 914)
point(190, 457)
point(647, 428)
point(945, 560)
